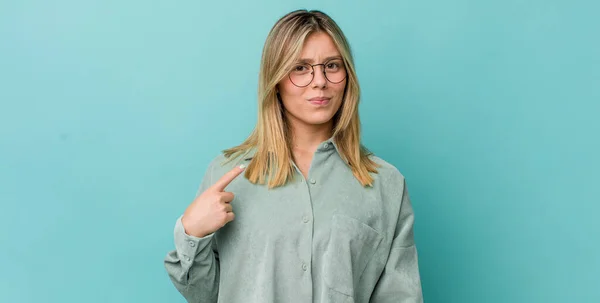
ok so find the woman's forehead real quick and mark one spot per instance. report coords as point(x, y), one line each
point(318, 47)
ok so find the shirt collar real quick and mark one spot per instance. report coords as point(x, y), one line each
point(324, 146)
point(327, 145)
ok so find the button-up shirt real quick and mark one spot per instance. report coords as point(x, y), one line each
point(325, 238)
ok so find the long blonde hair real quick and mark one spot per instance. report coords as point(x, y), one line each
point(271, 138)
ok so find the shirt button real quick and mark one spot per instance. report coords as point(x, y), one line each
point(187, 259)
point(305, 219)
point(326, 145)
point(313, 181)
point(304, 266)
point(192, 244)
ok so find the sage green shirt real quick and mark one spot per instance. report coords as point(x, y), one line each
point(321, 239)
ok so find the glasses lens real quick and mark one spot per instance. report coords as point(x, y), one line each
point(335, 71)
point(301, 75)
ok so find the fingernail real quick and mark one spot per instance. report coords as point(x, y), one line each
point(242, 166)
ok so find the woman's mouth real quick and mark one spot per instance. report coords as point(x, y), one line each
point(320, 101)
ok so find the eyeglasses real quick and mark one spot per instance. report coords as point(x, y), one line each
point(303, 74)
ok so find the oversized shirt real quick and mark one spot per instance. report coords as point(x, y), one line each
point(325, 238)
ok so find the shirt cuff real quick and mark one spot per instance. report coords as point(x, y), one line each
point(190, 248)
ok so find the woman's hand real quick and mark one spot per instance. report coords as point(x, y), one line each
point(211, 210)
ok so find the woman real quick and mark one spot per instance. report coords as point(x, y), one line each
point(315, 216)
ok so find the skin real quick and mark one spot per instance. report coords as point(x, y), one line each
point(211, 210)
point(310, 125)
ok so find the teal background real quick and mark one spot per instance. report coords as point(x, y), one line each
point(111, 110)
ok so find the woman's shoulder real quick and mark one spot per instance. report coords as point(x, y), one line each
point(225, 162)
point(386, 170)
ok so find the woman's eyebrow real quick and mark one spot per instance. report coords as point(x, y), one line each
point(308, 60)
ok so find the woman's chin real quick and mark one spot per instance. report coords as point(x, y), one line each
point(317, 120)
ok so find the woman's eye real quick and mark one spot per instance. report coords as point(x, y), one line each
point(333, 66)
point(300, 69)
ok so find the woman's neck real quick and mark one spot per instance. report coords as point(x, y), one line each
point(306, 137)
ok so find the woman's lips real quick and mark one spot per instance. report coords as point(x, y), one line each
point(319, 101)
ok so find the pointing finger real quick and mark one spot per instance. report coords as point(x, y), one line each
point(228, 177)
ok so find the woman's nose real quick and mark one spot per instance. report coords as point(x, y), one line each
point(319, 79)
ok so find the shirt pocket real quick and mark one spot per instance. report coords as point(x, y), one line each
point(352, 245)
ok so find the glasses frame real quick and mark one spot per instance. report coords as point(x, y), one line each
point(312, 66)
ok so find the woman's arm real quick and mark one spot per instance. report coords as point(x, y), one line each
point(400, 280)
point(194, 264)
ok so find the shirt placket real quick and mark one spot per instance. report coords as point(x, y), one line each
point(308, 188)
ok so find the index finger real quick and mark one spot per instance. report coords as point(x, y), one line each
point(228, 177)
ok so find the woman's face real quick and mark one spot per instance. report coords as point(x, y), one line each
point(317, 102)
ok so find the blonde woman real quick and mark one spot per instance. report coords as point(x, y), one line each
point(300, 211)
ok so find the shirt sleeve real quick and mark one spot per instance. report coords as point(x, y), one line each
point(193, 266)
point(400, 281)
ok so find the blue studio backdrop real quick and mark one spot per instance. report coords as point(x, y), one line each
point(111, 110)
